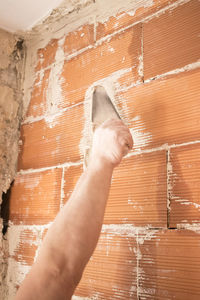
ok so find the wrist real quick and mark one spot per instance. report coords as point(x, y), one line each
point(100, 163)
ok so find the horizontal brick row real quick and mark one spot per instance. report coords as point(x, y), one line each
point(126, 264)
point(138, 192)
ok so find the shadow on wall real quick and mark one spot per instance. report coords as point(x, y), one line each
point(5, 209)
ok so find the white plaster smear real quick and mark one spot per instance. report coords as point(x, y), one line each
point(16, 273)
point(15, 235)
point(192, 227)
point(54, 92)
point(185, 202)
point(17, 270)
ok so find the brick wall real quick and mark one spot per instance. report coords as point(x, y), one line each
point(149, 246)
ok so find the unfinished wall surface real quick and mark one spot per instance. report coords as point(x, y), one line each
point(11, 65)
point(147, 57)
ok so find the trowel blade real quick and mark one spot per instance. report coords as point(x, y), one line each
point(102, 107)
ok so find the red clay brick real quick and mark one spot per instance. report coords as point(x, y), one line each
point(138, 191)
point(35, 198)
point(37, 105)
point(53, 142)
point(79, 39)
point(72, 174)
point(170, 266)
point(185, 185)
point(121, 52)
point(172, 40)
point(111, 272)
point(163, 111)
point(124, 19)
point(46, 55)
point(26, 249)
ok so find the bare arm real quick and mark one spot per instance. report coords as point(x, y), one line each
point(73, 236)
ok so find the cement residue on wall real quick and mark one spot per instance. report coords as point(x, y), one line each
point(11, 74)
point(10, 105)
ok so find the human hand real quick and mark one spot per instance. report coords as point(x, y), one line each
point(111, 141)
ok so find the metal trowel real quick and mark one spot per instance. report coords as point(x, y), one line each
point(102, 107)
point(102, 110)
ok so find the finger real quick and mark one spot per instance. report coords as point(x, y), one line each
point(125, 150)
point(126, 140)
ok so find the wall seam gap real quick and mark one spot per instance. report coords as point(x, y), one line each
point(137, 275)
point(142, 52)
point(168, 186)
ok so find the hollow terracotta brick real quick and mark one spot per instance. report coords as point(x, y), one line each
point(52, 142)
point(121, 52)
point(124, 19)
point(46, 55)
point(79, 39)
point(37, 105)
point(72, 174)
point(35, 197)
point(171, 40)
point(25, 251)
point(163, 111)
point(185, 185)
point(138, 191)
point(111, 272)
point(169, 265)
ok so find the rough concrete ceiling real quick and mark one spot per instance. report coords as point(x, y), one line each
point(24, 14)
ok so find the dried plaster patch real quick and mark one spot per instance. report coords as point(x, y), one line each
point(17, 270)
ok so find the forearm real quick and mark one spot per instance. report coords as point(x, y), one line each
point(71, 239)
point(77, 227)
